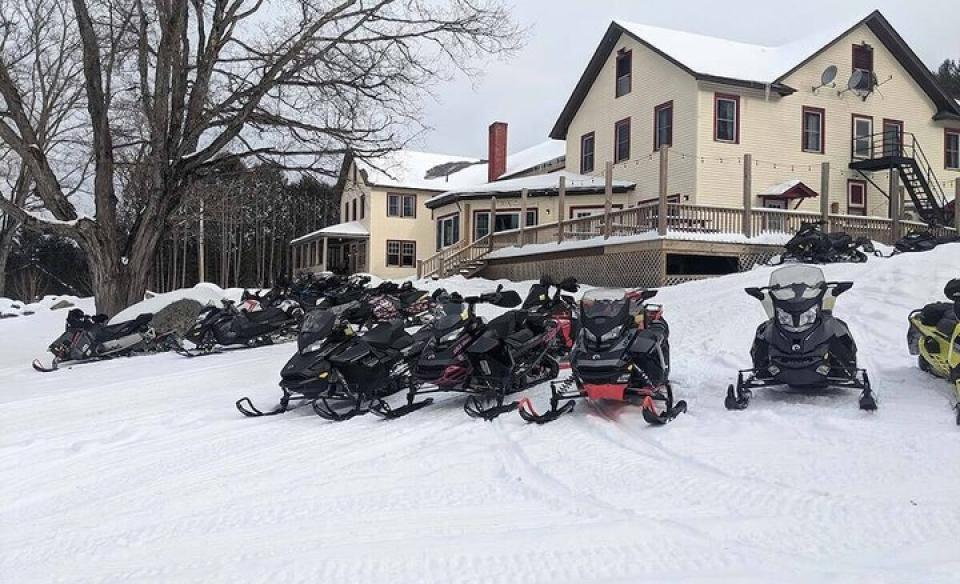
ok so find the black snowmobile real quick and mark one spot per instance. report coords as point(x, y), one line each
point(811, 245)
point(917, 241)
point(89, 338)
point(559, 307)
point(622, 353)
point(342, 374)
point(390, 301)
point(262, 320)
point(486, 361)
point(802, 346)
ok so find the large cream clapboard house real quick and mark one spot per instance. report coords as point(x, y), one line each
point(838, 96)
point(856, 97)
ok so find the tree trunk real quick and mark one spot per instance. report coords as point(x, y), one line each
point(6, 247)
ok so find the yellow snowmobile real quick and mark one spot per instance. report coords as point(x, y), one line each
point(934, 337)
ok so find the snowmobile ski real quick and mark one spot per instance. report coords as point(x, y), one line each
point(654, 418)
point(382, 408)
point(475, 408)
point(529, 413)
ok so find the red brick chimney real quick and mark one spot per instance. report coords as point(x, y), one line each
point(496, 151)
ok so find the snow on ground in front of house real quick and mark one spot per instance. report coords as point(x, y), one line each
point(141, 470)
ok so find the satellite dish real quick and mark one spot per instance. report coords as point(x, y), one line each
point(828, 75)
point(856, 80)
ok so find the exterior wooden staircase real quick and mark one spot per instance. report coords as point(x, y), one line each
point(902, 152)
point(465, 259)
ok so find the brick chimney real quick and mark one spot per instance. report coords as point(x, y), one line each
point(496, 151)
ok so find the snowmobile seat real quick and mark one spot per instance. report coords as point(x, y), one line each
point(266, 315)
point(933, 313)
point(124, 328)
point(386, 335)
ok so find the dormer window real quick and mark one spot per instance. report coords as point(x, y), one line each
point(624, 69)
point(863, 58)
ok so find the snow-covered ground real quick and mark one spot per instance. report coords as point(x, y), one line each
point(141, 470)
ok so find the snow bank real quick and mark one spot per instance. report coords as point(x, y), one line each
point(797, 489)
point(11, 308)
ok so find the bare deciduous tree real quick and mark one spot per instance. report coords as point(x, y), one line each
point(173, 87)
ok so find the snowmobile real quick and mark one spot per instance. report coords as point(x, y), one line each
point(916, 241)
point(391, 302)
point(340, 373)
point(622, 353)
point(89, 338)
point(485, 361)
point(812, 245)
point(559, 307)
point(802, 345)
point(252, 325)
point(934, 337)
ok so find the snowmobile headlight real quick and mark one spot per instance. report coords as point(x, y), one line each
point(808, 317)
point(823, 370)
point(784, 318)
point(614, 333)
point(624, 378)
point(450, 337)
point(323, 375)
point(315, 346)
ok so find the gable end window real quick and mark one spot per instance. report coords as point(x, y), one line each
point(621, 141)
point(863, 58)
point(814, 130)
point(401, 205)
point(951, 149)
point(624, 72)
point(354, 205)
point(401, 254)
point(587, 143)
point(663, 125)
point(726, 118)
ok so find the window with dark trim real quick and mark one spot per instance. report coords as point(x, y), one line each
point(624, 72)
point(862, 136)
point(621, 140)
point(401, 254)
point(401, 205)
point(951, 148)
point(363, 206)
point(346, 212)
point(587, 143)
point(814, 130)
point(856, 197)
point(663, 125)
point(726, 118)
point(863, 58)
point(448, 230)
point(354, 205)
point(505, 221)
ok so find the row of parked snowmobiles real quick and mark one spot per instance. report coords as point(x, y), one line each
point(257, 320)
point(812, 245)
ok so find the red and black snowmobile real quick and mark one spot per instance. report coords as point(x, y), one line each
point(622, 353)
point(558, 307)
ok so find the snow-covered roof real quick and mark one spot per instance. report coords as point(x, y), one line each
point(353, 229)
point(536, 185)
point(720, 57)
point(791, 189)
point(413, 169)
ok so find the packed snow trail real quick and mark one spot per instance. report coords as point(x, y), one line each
point(141, 469)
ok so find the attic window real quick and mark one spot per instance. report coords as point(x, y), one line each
point(863, 57)
point(624, 69)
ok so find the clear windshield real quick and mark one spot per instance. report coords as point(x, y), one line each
point(450, 315)
point(794, 282)
point(603, 302)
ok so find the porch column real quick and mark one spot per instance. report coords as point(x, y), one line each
point(492, 224)
point(561, 208)
point(608, 199)
point(956, 204)
point(523, 218)
point(825, 195)
point(895, 206)
point(662, 208)
point(748, 195)
point(323, 258)
point(466, 224)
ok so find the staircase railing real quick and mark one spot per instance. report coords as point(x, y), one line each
point(927, 169)
point(446, 261)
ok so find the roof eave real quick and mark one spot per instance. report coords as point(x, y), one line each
point(944, 115)
point(780, 88)
point(454, 198)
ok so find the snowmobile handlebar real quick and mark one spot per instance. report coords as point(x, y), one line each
point(837, 288)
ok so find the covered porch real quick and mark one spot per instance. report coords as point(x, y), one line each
point(340, 248)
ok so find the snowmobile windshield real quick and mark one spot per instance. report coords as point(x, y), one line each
point(797, 282)
point(451, 315)
point(604, 303)
point(317, 325)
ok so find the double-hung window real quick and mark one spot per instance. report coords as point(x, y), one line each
point(814, 125)
point(862, 136)
point(624, 72)
point(621, 140)
point(448, 230)
point(587, 143)
point(726, 123)
point(951, 149)
point(663, 125)
point(401, 205)
point(505, 221)
point(401, 254)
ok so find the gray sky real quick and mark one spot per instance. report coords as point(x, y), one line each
point(529, 91)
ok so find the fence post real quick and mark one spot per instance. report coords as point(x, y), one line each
point(523, 218)
point(748, 195)
point(419, 269)
point(894, 190)
point(956, 205)
point(561, 208)
point(662, 209)
point(608, 202)
point(825, 195)
point(491, 223)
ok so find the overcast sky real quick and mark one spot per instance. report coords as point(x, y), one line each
point(529, 91)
